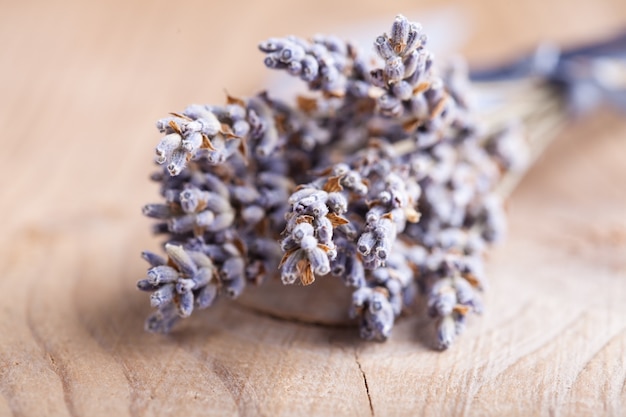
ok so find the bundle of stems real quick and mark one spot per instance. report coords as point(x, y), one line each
point(386, 176)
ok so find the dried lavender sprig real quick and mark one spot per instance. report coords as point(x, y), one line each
point(186, 280)
point(326, 63)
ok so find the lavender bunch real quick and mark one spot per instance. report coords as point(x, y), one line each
point(382, 177)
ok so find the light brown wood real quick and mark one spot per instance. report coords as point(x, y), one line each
point(82, 84)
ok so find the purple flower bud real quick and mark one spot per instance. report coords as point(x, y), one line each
point(301, 230)
point(394, 70)
point(146, 285)
point(402, 90)
point(184, 285)
point(355, 274)
point(446, 332)
point(177, 162)
point(289, 272)
point(310, 68)
point(185, 304)
point(206, 296)
point(222, 221)
point(162, 296)
point(271, 45)
point(181, 258)
point(337, 203)
point(232, 269)
point(383, 48)
point(192, 142)
point(366, 243)
point(290, 53)
point(319, 261)
point(182, 224)
point(400, 32)
point(235, 287)
point(415, 38)
point(162, 320)
point(152, 258)
point(167, 146)
point(157, 211)
point(162, 275)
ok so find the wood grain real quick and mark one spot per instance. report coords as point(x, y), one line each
point(81, 86)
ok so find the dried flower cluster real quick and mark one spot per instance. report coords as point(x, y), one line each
point(381, 177)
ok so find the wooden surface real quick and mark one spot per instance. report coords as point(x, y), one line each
point(82, 84)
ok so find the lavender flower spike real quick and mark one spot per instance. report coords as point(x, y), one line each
point(177, 285)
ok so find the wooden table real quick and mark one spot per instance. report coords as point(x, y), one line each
point(82, 84)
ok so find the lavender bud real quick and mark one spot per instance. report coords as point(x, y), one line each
point(177, 162)
point(310, 68)
point(192, 142)
point(411, 63)
point(157, 211)
point(359, 298)
point(232, 269)
point(399, 33)
point(190, 199)
point(390, 106)
point(415, 38)
point(152, 258)
point(216, 203)
point(203, 277)
point(252, 214)
point(291, 53)
point(337, 203)
point(185, 304)
point(241, 128)
point(464, 291)
point(295, 68)
point(301, 230)
point(162, 296)
point(184, 285)
point(338, 266)
point(289, 272)
point(222, 221)
point(383, 48)
point(181, 258)
point(445, 302)
point(271, 61)
point(383, 249)
point(446, 332)
point(206, 296)
point(324, 231)
point(319, 261)
point(308, 243)
point(205, 218)
point(271, 45)
point(317, 209)
point(355, 275)
point(235, 287)
point(146, 285)
point(167, 146)
point(162, 275)
point(162, 320)
point(394, 70)
point(366, 243)
point(181, 224)
point(402, 90)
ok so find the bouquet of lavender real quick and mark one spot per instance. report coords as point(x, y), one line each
point(382, 176)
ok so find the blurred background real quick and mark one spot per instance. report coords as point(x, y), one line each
point(82, 82)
